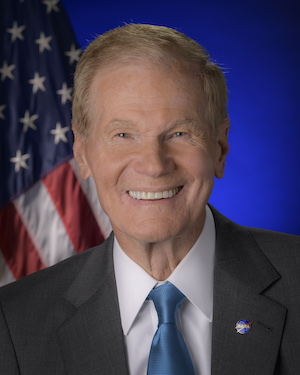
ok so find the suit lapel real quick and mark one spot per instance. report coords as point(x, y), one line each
point(91, 338)
point(242, 273)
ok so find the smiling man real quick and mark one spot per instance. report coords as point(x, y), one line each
point(177, 288)
point(152, 159)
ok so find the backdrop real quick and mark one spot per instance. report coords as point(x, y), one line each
point(257, 44)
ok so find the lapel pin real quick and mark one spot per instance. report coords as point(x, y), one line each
point(243, 326)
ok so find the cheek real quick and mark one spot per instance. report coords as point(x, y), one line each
point(107, 171)
point(201, 167)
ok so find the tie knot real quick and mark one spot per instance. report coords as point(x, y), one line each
point(167, 299)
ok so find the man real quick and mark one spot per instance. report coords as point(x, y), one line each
point(151, 127)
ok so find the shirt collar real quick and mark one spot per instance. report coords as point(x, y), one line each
point(193, 277)
point(194, 274)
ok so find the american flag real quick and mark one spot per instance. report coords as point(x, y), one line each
point(47, 213)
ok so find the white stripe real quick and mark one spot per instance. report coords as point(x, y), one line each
point(89, 189)
point(44, 224)
point(6, 276)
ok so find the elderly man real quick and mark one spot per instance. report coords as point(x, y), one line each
point(177, 288)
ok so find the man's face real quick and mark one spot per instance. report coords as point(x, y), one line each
point(149, 154)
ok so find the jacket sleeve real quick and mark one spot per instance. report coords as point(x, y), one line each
point(8, 360)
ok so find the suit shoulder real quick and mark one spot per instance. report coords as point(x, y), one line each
point(60, 274)
point(56, 278)
point(281, 249)
point(283, 252)
point(264, 238)
point(276, 242)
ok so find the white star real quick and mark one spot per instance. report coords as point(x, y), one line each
point(73, 54)
point(37, 82)
point(2, 108)
point(51, 5)
point(16, 31)
point(28, 120)
point(43, 42)
point(6, 71)
point(20, 160)
point(65, 93)
point(59, 133)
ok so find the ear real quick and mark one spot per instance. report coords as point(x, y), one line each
point(223, 148)
point(79, 150)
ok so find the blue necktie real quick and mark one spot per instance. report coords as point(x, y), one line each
point(169, 354)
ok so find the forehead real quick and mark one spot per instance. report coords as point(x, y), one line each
point(146, 86)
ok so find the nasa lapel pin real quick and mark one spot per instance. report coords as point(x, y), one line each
point(243, 326)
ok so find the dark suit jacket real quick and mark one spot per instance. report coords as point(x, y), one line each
point(65, 319)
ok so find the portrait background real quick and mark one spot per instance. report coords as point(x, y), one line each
point(257, 45)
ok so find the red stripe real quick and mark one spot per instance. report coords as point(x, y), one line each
point(16, 245)
point(73, 208)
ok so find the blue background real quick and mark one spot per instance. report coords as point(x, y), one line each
point(258, 45)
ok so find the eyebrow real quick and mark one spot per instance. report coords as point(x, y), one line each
point(184, 124)
point(116, 124)
point(191, 125)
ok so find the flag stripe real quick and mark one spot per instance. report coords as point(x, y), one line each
point(5, 273)
point(53, 217)
point(16, 245)
point(78, 218)
point(44, 224)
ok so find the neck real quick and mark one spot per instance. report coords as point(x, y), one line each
point(158, 259)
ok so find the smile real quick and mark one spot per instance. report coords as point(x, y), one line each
point(143, 195)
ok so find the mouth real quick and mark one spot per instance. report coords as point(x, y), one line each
point(147, 195)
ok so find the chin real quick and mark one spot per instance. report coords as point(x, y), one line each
point(155, 233)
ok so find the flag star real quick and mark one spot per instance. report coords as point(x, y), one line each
point(60, 133)
point(51, 5)
point(73, 54)
point(20, 160)
point(65, 93)
point(37, 82)
point(28, 121)
point(43, 42)
point(16, 31)
point(6, 71)
point(2, 108)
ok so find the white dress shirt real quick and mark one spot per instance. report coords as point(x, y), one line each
point(194, 278)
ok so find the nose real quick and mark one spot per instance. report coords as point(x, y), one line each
point(153, 159)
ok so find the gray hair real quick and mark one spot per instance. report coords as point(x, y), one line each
point(152, 44)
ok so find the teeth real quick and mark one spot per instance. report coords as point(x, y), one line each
point(158, 195)
point(153, 196)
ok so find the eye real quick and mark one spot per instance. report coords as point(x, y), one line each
point(122, 135)
point(179, 134)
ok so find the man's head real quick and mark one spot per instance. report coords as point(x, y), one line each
point(157, 45)
point(155, 139)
